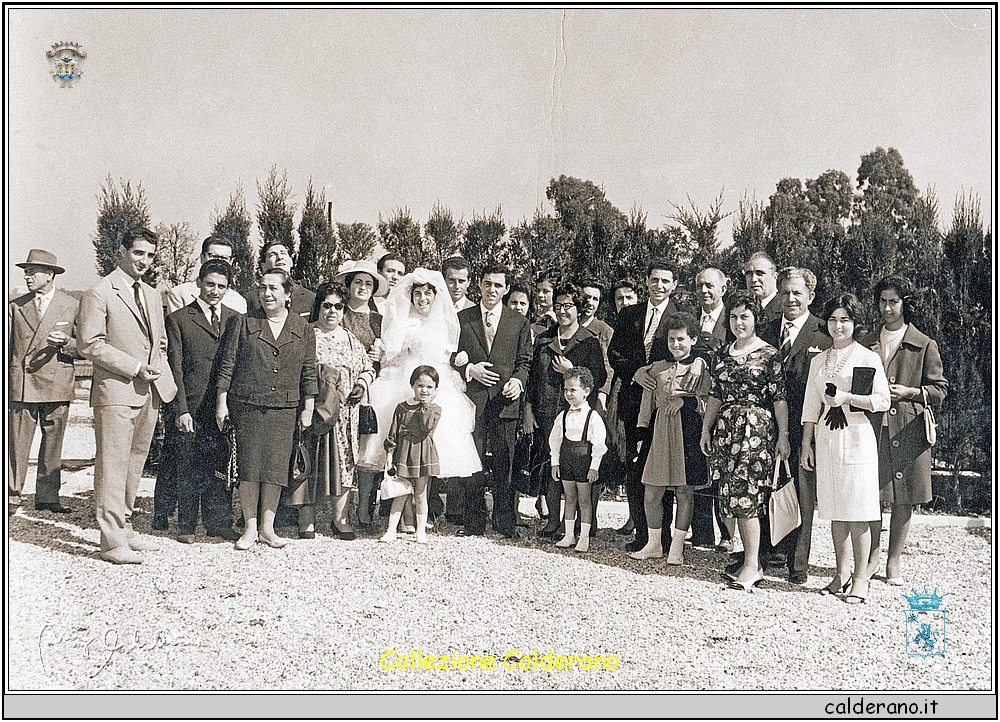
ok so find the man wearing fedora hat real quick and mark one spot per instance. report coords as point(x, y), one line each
point(42, 349)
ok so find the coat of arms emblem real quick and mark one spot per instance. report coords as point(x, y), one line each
point(66, 59)
point(925, 623)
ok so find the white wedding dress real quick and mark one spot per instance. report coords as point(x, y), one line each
point(410, 340)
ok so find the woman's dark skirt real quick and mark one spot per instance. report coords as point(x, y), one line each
point(264, 439)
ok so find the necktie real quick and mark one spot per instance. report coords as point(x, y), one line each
point(706, 322)
point(786, 340)
point(647, 340)
point(142, 309)
point(215, 319)
point(490, 329)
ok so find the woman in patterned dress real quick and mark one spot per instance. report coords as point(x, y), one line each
point(340, 350)
point(745, 429)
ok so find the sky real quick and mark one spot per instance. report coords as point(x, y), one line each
point(479, 108)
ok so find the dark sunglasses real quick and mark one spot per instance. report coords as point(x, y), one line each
point(326, 305)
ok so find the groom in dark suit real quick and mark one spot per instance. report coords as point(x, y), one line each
point(638, 340)
point(798, 335)
point(498, 345)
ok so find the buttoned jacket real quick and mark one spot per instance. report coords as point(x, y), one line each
point(916, 363)
point(40, 373)
point(112, 333)
point(256, 368)
point(192, 350)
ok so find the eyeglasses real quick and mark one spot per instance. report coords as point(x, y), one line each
point(326, 305)
point(563, 306)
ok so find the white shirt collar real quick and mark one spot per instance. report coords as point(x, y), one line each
point(47, 296)
point(206, 309)
point(661, 308)
point(577, 409)
point(763, 303)
point(494, 314)
point(798, 323)
point(714, 315)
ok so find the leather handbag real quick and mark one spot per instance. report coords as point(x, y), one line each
point(783, 507)
point(301, 463)
point(367, 420)
point(930, 423)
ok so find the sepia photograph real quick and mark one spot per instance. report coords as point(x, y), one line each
point(640, 354)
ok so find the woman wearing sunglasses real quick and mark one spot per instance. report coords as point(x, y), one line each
point(345, 371)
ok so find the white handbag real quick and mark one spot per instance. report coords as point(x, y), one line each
point(783, 508)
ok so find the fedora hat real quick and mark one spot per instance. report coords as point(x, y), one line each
point(348, 268)
point(39, 257)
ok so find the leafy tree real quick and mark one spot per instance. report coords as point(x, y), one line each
point(276, 211)
point(966, 344)
point(698, 244)
point(234, 225)
point(883, 214)
point(830, 198)
point(591, 224)
point(750, 236)
point(544, 240)
point(319, 254)
point(400, 234)
point(357, 240)
point(175, 252)
point(486, 242)
point(442, 235)
point(121, 211)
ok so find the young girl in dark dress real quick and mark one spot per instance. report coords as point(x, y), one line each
point(411, 443)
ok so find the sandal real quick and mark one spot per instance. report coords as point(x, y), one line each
point(845, 589)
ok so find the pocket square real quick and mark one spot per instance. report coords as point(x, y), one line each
point(815, 349)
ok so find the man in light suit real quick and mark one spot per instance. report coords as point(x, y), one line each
point(799, 336)
point(42, 327)
point(496, 342)
point(121, 331)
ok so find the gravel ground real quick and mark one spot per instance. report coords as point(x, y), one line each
point(320, 614)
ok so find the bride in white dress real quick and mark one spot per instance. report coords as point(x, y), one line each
point(420, 326)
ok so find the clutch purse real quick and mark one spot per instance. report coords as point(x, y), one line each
point(862, 382)
point(930, 423)
point(367, 420)
point(231, 474)
point(783, 507)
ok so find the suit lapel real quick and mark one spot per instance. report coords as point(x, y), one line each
point(802, 339)
point(199, 318)
point(289, 332)
point(258, 326)
point(126, 294)
point(48, 321)
point(480, 331)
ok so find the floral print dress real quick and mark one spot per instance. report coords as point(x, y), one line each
point(745, 433)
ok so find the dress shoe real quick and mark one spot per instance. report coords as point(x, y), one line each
point(160, 524)
point(747, 586)
point(53, 506)
point(122, 555)
point(626, 529)
point(636, 545)
point(550, 530)
point(137, 543)
point(797, 578)
point(276, 543)
point(469, 532)
point(732, 569)
point(185, 538)
point(343, 535)
point(227, 533)
point(306, 534)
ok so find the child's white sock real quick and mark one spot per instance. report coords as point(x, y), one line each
point(567, 541)
point(675, 557)
point(653, 548)
point(583, 545)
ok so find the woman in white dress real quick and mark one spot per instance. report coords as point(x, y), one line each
point(421, 327)
point(842, 448)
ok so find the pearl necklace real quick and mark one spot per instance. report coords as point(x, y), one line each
point(831, 369)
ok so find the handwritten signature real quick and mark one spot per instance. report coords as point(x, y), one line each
point(102, 648)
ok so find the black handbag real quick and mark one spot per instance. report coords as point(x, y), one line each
point(367, 420)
